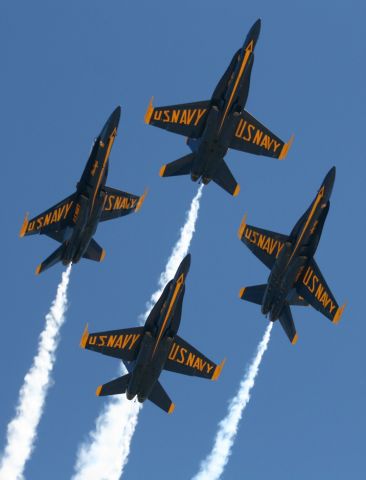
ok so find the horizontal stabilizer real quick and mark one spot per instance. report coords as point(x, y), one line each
point(182, 166)
point(115, 387)
point(224, 178)
point(94, 252)
point(288, 325)
point(253, 294)
point(55, 257)
point(161, 399)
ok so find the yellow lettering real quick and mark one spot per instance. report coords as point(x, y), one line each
point(190, 360)
point(102, 339)
point(190, 115)
point(240, 128)
point(183, 118)
point(182, 353)
point(250, 129)
point(175, 116)
point(166, 116)
point(110, 199)
point(111, 340)
point(47, 219)
point(39, 222)
point(197, 363)
point(200, 113)
point(257, 137)
point(67, 210)
point(126, 340)
point(157, 114)
point(92, 340)
point(209, 368)
point(118, 343)
point(173, 353)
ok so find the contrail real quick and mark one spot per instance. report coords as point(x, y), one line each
point(22, 429)
point(105, 452)
point(213, 465)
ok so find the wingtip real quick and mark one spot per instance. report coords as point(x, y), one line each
point(218, 370)
point(84, 337)
point(102, 257)
point(339, 313)
point(242, 227)
point(237, 190)
point(141, 200)
point(162, 171)
point(38, 269)
point(98, 390)
point(295, 339)
point(171, 408)
point(286, 148)
point(241, 292)
point(24, 226)
point(149, 111)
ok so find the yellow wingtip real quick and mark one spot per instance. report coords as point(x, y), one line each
point(38, 269)
point(162, 171)
point(218, 370)
point(102, 257)
point(295, 339)
point(84, 337)
point(149, 111)
point(339, 313)
point(237, 190)
point(242, 227)
point(98, 390)
point(241, 293)
point(286, 148)
point(171, 408)
point(141, 200)
point(24, 226)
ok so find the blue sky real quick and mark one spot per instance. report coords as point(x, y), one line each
point(65, 67)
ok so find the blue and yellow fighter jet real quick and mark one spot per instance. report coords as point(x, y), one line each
point(214, 126)
point(74, 220)
point(295, 278)
point(148, 350)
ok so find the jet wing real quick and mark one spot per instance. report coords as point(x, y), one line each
point(314, 289)
point(55, 218)
point(265, 245)
point(123, 344)
point(185, 359)
point(253, 137)
point(118, 204)
point(186, 119)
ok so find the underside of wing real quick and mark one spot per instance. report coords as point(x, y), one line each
point(118, 204)
point(185, 359)
point(265, 245)
point(123, 344)
point(314, 289)
point(186, 119)
point(54, 219)
point(253, 137)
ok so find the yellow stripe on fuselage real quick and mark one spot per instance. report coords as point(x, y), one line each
point(311, 214)
point(110, 144)
point(172, 302)
point(248, 51)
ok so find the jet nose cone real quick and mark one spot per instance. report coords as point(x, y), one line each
point(329, 182)
point(115, 116)
point(184, 265)
point(256, 28)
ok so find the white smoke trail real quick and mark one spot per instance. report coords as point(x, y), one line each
point(22, 429)
point(105, 452)
point(213, 465)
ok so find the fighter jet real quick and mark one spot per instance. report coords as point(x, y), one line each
point(295, 278)
point(73, 221)
point(148, 350)
point(214, 126)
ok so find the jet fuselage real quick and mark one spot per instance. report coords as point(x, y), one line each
point(227, 102)
point(161, 327)
point(297, 252)
point(91, 195)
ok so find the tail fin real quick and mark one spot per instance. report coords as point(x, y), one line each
point(119, 385)
point(55, 257)
point(94, 252)
point(288, 325)
point(161, 399)
point(224, 178)
point(253, 294)
point(182, 166)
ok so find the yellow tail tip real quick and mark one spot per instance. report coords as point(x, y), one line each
point(171, 408)
point(38, 269)
point(241, 292)
point(162, 170)
point(141, 200)
point(339, 313)
point(85, 336)
point(218, 370)
point(295, 339)
point(286, 148)
point(24, 226)
point(149, 111)
point(237, 190)
point(98, 390)
point(242, 227)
